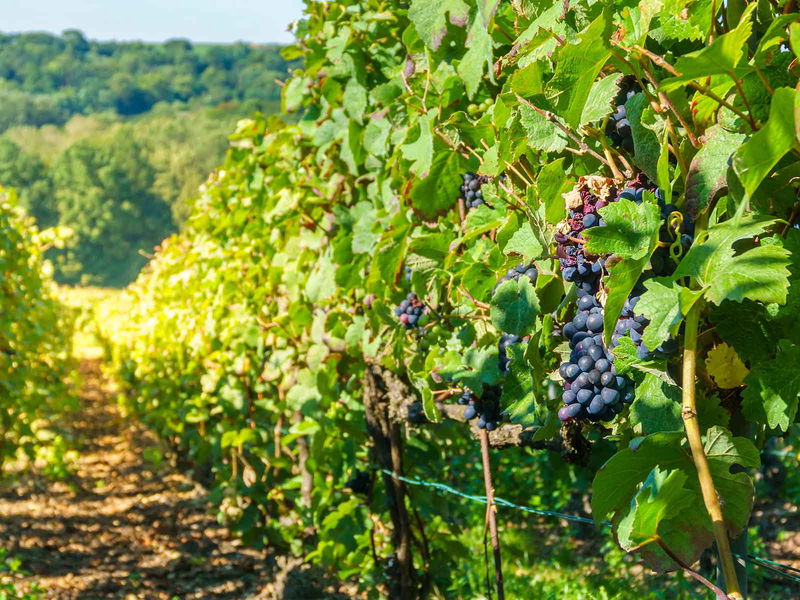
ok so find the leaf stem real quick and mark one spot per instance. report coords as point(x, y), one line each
point(721, 595)
point(699, 457)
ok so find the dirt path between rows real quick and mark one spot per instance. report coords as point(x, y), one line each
point(125, 529)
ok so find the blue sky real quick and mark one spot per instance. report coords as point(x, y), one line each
point(156, 20)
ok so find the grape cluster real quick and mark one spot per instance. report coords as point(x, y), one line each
point(633, 326)
point(359, 482)
point(618, 128)
point(589, 196)
point(592, 388)
point(486, 408)
point(471, 189)
point(530, 271)
point(410, 311)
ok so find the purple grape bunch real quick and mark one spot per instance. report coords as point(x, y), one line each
point(593, 390)
point(471, 189)
point(410, 311)
point(486, 408)
point(583, 203)
point(632, 325)
point(618, 128)
point(530, 271)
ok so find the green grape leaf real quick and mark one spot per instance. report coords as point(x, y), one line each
point(627, 361)
point(710, 412)
point(657, 406)
point(773, 387)
point(376, 136)
point(709, 167)
point(759, 274)
point(621, 281)
point(420, 151)
point(721, 57)
point(601, 97)
point(550, 184)
point(542, 134)
point(753, 161)
point(519, 394)
point(664, 304)
point(354, 100)
point(430, 18)
point(646, 147)
point(663, 497)
point(434, 194)
point(524, 243)
point(478, 366)
point(577, 66)
point(631, 230)
point(619, 480)
point(478, 56)
point(680, 24)
point(515, 306)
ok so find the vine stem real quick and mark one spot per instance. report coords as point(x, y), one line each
point(491, 513)
point(710, 498)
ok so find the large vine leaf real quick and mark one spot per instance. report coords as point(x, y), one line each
point(665, 303)
point(515, 306)
point(430, 18)
point(754, 160)
point(631, 230)
point(618, 483)
point(577, 66)
point(758, 274)
point(773, 387)
point(720, 58)
point(709, 167)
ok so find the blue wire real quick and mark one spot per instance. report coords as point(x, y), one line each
point(758, 561)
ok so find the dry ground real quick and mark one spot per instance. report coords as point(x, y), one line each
point(123, 529)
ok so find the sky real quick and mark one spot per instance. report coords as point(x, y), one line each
point(223, 21)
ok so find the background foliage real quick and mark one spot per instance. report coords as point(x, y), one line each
point(35, 337)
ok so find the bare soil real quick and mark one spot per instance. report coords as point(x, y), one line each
point(127, 529)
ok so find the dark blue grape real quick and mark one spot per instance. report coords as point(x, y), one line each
point(603, 365)
point(609, 395)
point(572, 371)
point(570, 412)
point(595, 323)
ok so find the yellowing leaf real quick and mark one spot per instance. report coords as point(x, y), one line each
point(725, 366)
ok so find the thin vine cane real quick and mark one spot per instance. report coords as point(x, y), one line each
point(492, 513)
point(699, 457)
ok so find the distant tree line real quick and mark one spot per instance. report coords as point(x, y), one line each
point(47, 78)
point(121, 185)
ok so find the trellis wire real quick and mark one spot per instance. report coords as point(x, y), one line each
point(759, 561)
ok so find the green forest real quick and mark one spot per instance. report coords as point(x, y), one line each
point(108, 140)
point(499, 301)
